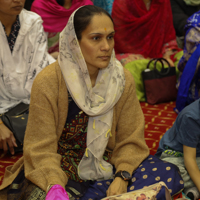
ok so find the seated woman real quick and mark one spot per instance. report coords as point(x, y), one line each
point(180, 145)
point(189, 66)
point(85, 123)
point(137, 34)
point(55, 14)
point(146, 32)
point(23, 54)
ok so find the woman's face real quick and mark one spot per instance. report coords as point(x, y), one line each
point(11, 7)
point(97, 42)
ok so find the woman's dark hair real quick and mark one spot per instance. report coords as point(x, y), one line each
point(61, 2)
point(83, 16)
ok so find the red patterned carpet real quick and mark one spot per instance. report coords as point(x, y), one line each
point(158, 119)
point(6, 160)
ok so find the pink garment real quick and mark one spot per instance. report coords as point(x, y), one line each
point(55, 16)
point(57, 192)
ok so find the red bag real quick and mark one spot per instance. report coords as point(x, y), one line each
point(159, 86)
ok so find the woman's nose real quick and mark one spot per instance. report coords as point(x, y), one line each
point(17, 0)
point(105, 45)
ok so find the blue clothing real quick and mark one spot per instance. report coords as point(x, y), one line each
point(105, 4)
point(152, 170)
point(189, 81)
point(185, 131)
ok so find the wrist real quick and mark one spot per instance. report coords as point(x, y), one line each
point(124, 176)
point(119, 179)
point(49, 187)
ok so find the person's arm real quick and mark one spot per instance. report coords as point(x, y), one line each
point(7, 139)
point(130, 149)
point(191, 164)
point(118, 186)
point(167, 55)
point(41, 160)
point(170, 45)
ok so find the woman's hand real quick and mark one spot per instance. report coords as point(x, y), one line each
point(167, 57)
point(118, 186)
point(7, 139)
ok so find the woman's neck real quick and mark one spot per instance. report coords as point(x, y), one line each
point(8, 21)
point(147, 3)
point(93, 77)
point(67, 4)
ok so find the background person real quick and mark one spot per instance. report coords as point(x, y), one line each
point(180, 145)
point(137, 34)
point(23, 54)
point(55, 15)
point(139, 39)
point(189, 79)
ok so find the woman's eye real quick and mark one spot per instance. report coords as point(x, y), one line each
point(96, 38)
point(110, 37)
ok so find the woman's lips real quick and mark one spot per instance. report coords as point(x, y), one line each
point(104, 58)
point(17, 7)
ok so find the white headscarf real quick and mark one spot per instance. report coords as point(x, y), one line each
point(19, 68)
point(97, 101)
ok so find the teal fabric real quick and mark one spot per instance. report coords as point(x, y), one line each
point(105, 4)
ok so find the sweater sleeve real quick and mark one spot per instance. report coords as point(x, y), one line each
point(130, 149)
point(41, 161)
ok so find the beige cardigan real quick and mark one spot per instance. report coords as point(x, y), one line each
point(47, 117)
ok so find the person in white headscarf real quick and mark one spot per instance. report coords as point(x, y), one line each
point(23, 54)
point(85, 122)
